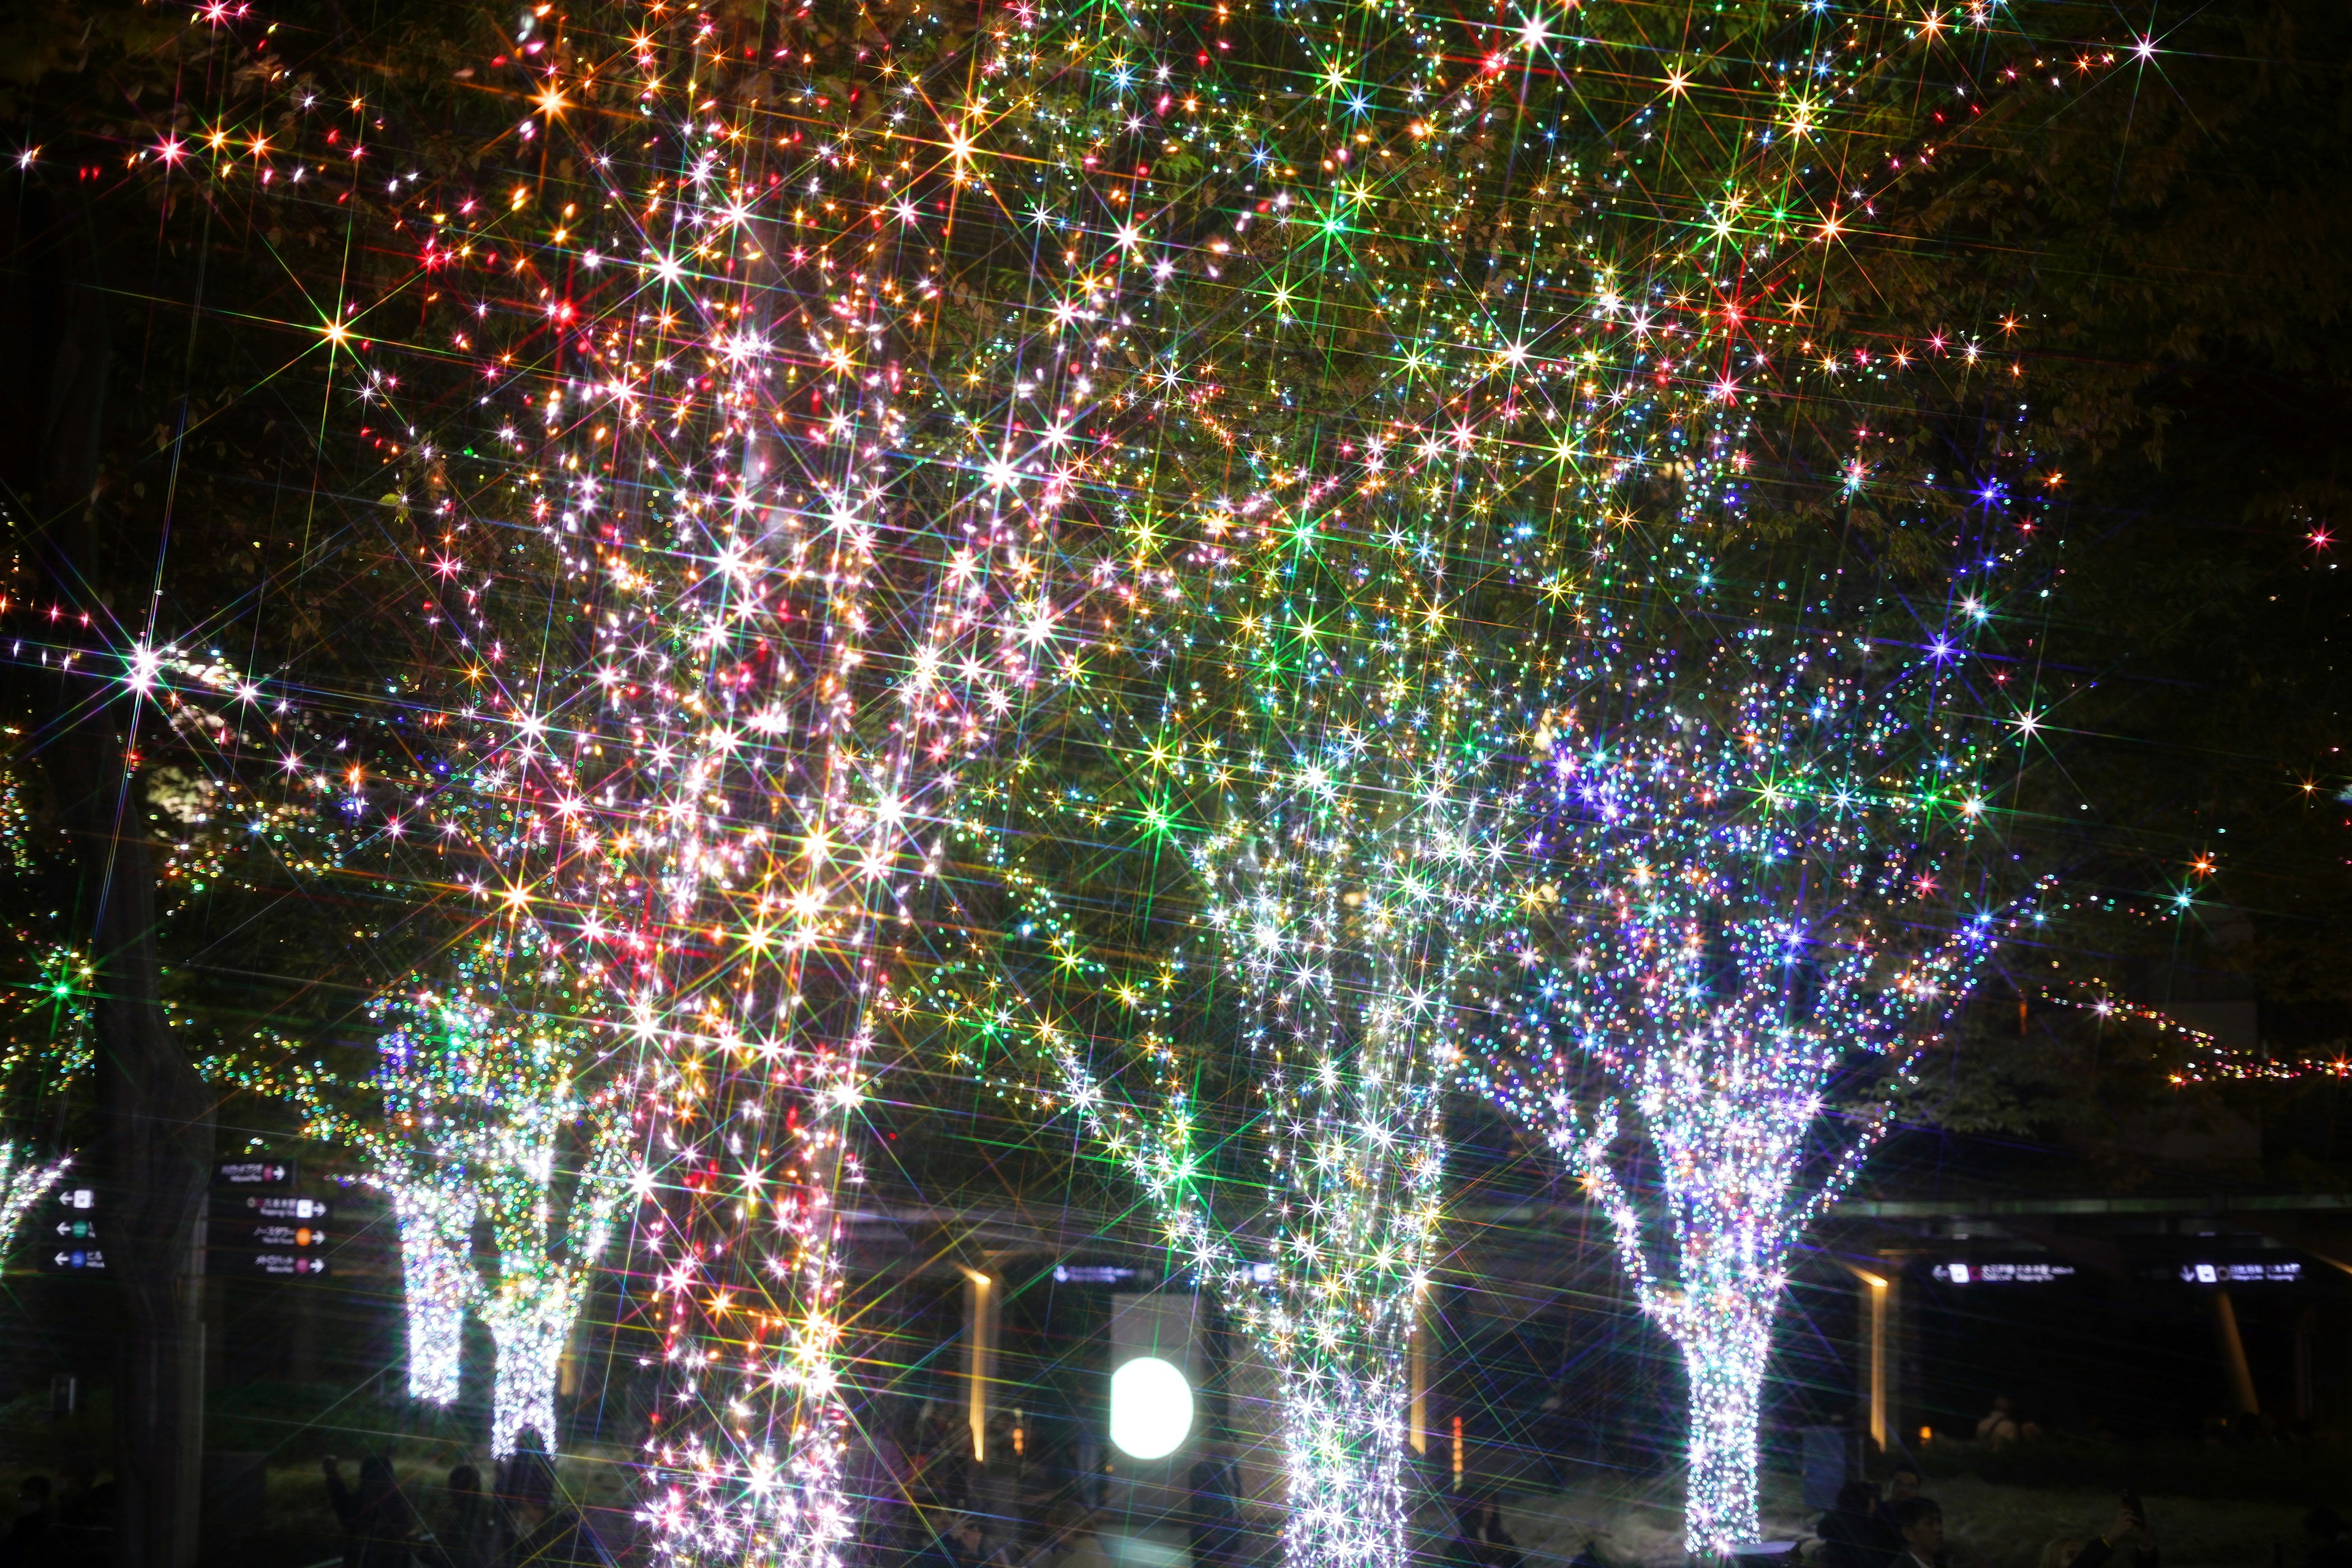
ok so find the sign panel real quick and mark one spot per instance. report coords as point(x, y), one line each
point(276, 1235)
point(234, 1207)
point(65, 1241)
point(2208, 1270)
point(257, 1172)
point(2268, 1271)
point(272, 1234)
point(2029, 1272)
point(1092, 1274)
point(272, 1263)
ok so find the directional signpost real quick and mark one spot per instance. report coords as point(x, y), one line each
point(256, 1170)
point(273, 1263)
point(260, 1227)
point(66, 1242)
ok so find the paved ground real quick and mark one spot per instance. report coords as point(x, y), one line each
point(1638, 1524)
point(1991, 1526)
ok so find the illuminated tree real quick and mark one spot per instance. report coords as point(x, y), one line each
point(25, 1178)
point(46, 1052)
point(1307, 759)
point(1762, 881)
point(513, 1118)
point(795, 604)
point(485, 1115)
point(1409, 426)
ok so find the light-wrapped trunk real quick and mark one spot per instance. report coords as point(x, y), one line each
point(530, 1330)
point(1344, 1441)
point(1726, 1336)
point(438, 1287)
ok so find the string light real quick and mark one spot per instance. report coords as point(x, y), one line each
point(25, 1180)
point(2207, 1059)
point(47, 1050)
point(481, 1112)
point(1773, 875)
point(826, 518)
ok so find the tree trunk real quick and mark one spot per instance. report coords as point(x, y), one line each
point(1724, 1344)
point(530, 1336)
point(815, 1514)
point(155, 1132)
point(154, 1155)
point(438, 1287)
point(1344, 1439)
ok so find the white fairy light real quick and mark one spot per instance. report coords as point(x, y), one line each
point(1344, 887)
point(483, 1113)
point(26, 1179)
point(438, 1286)
point(1768, 885)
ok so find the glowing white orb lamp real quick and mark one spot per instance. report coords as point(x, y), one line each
point(1151, 1408)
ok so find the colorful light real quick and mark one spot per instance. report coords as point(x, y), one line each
point(1755, 880)
point(25, 1178)
point(482, 1112)
point(861, 432)
point(47, 1049)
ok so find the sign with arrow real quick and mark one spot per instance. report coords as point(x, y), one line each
point(253, 1172)
point(269, 1205)
point(275, 1234)
point(274, 1263)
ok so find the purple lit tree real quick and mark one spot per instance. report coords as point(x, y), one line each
point(1762, 884)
